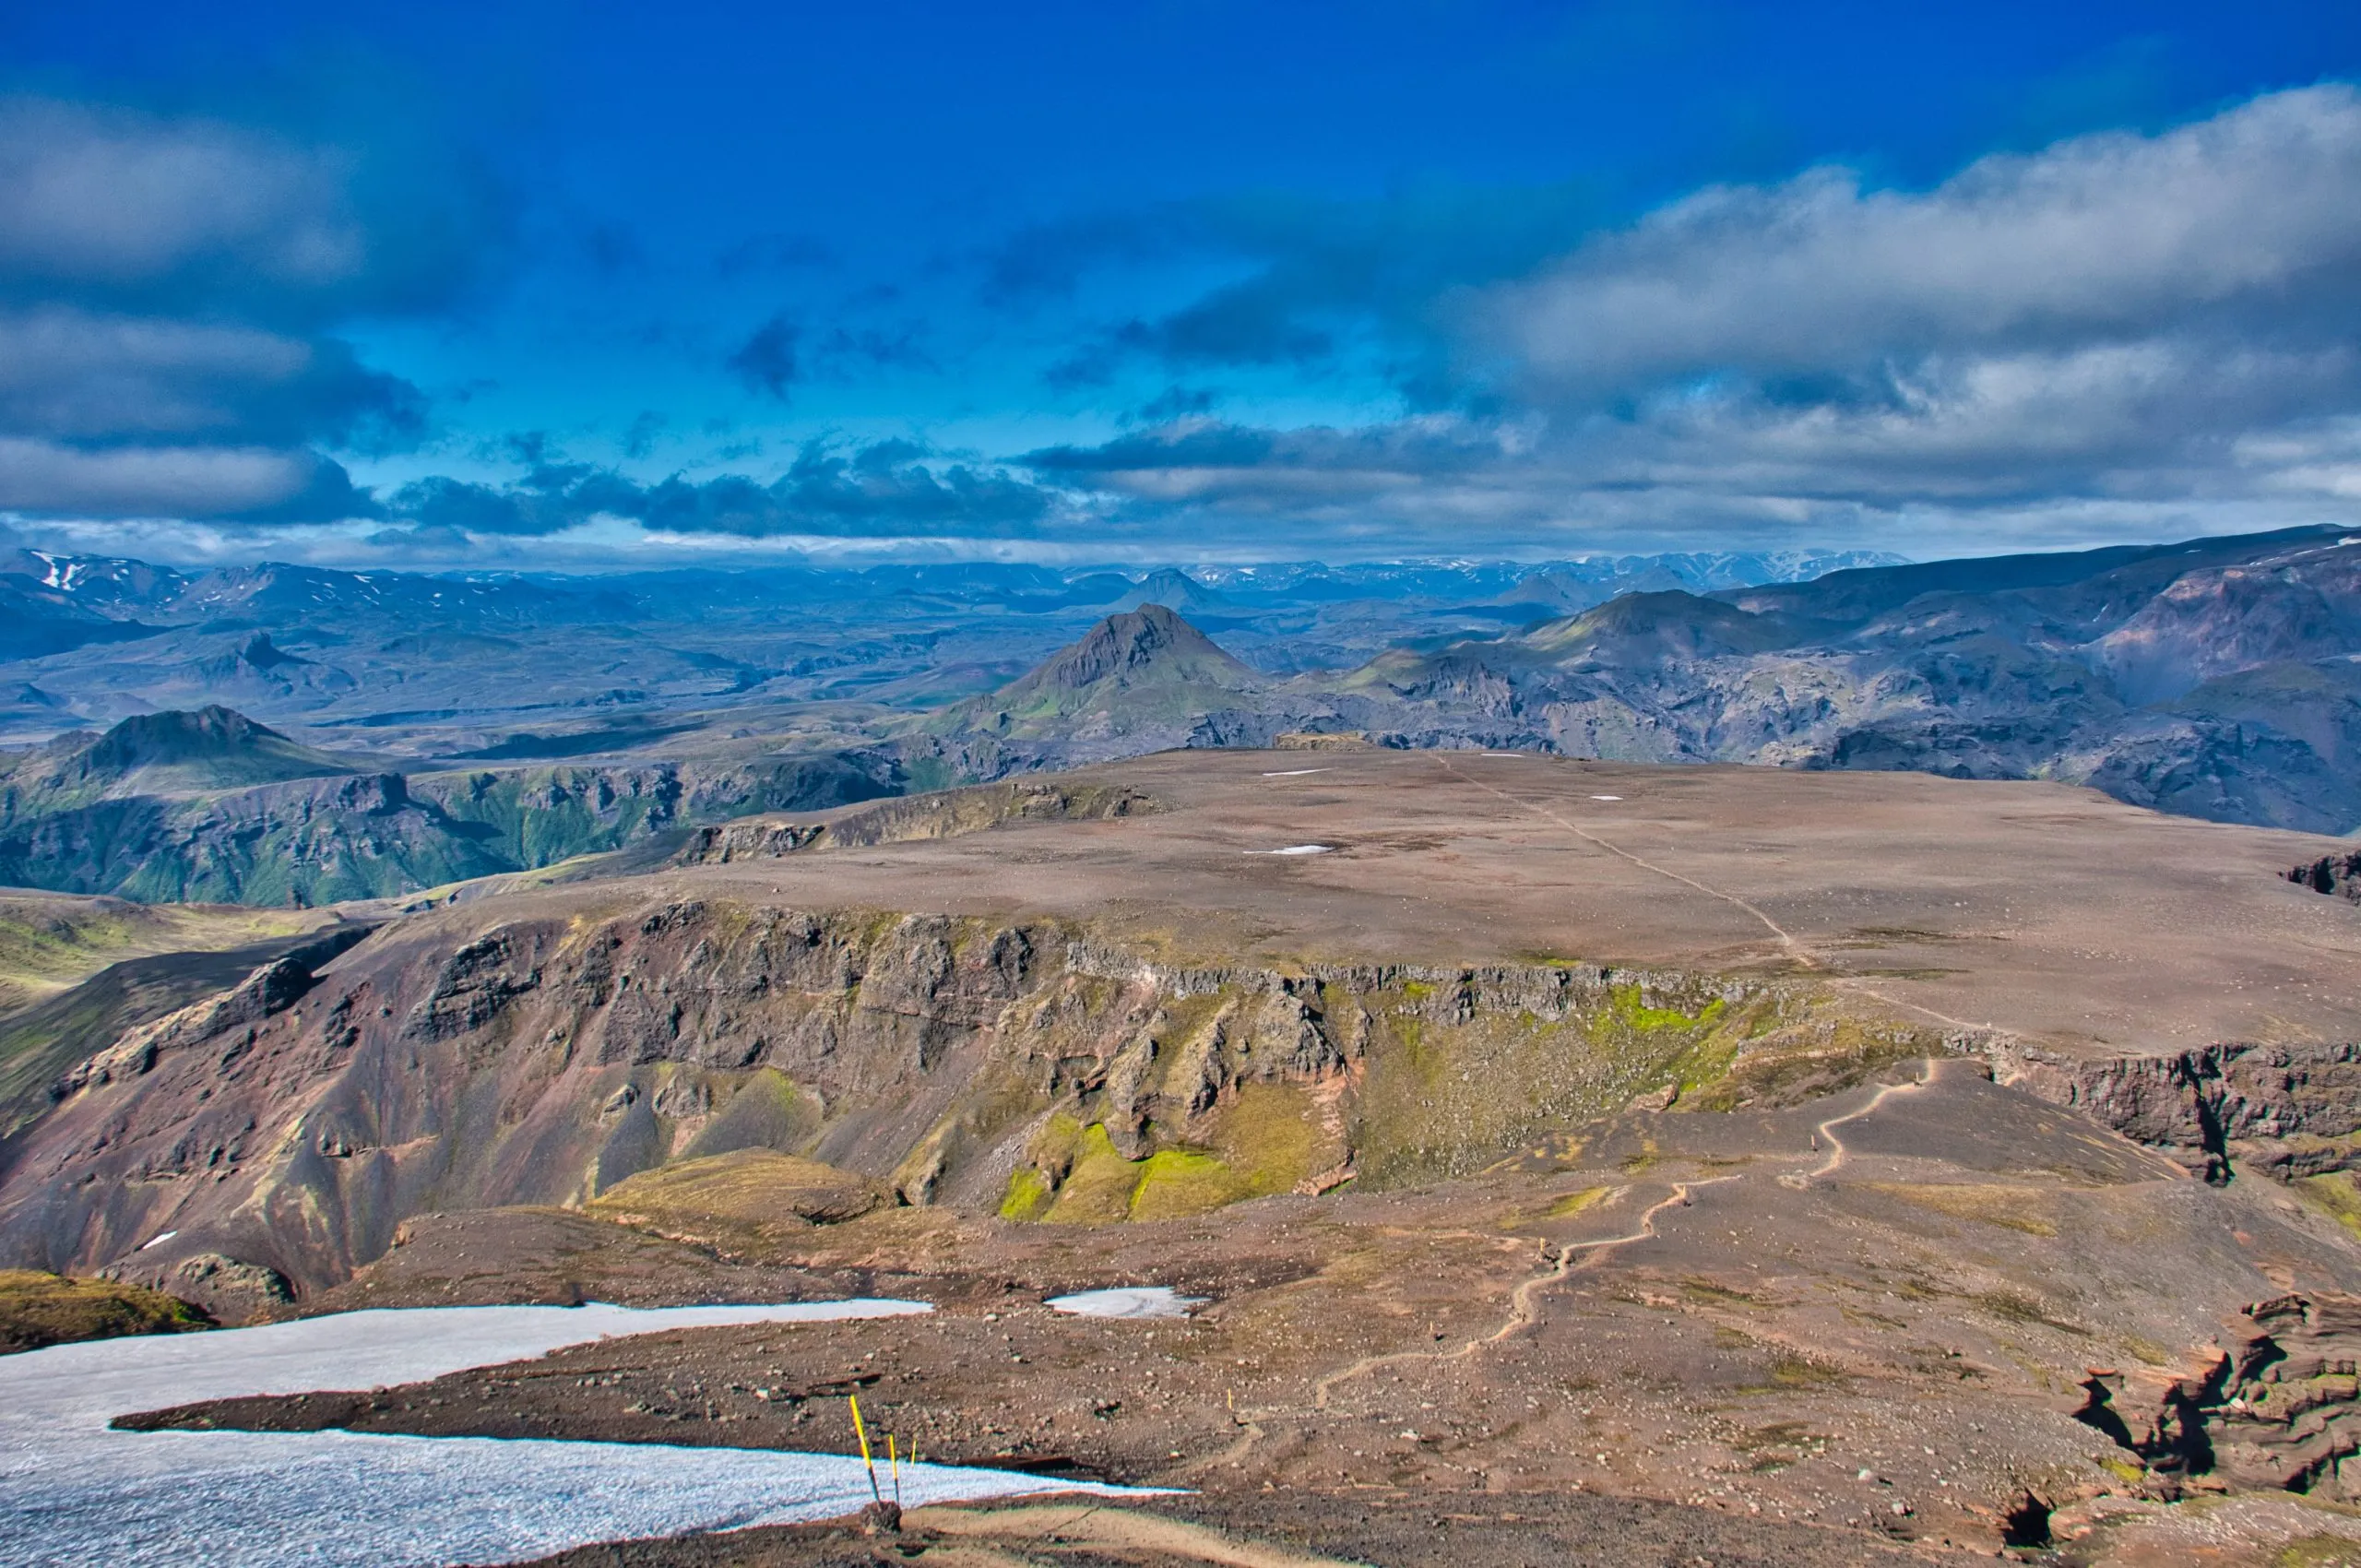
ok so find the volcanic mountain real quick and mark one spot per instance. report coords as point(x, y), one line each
point(1168, 587)
point(1140, 671)
point(171, 754)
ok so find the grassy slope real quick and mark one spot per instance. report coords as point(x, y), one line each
point(51, 942)
point(75, 973)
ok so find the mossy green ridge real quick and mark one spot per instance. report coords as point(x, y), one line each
point(39, 1309)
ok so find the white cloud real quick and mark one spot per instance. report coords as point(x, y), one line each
point(93, 198)
point(42, 476)
point(2245, 224)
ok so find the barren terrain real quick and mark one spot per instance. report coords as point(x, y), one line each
point(2052, 913)
point(1678, 1162)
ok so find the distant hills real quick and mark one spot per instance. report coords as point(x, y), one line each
point(507, 664)
point(210, 806)
point(173, 753)
point(299, 735)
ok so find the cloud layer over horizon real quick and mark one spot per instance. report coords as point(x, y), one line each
point(2122, 333)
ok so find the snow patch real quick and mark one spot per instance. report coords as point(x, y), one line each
point(72, 1491)
point(1296, 850)
point(1127, 1300)
point(1294, 772)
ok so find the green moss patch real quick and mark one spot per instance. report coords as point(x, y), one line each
point(39, 1309)
point(1029, 1192)
point(1099, 1188)
point(1266, 1139)
point(1175, 1183)
point(1573, 1204)
point(2334, 1195)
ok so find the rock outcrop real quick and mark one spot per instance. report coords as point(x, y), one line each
point(2271, 1407)
point(2287, 1416)
point(2286, 1110)
point(2338, 875)
point(942, 814)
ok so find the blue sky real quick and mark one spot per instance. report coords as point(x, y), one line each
point(578, 285)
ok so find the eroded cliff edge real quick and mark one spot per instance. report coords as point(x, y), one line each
point(455, 1060)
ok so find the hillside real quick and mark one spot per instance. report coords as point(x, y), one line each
point(2214, 679)
point(1871, 1108)
point(910, 1006)
point(210, 806)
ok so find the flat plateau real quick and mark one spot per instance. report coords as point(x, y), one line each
point(2049, 912)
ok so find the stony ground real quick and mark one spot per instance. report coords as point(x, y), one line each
point(1869, 1318)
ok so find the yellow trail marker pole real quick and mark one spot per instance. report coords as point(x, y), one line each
point(862, 1433)
point(894, 1462)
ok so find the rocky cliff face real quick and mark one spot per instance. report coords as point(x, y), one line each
point(2338, 875)
point(291, 1125)
point(2284, 1111)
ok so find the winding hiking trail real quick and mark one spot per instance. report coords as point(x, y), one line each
point(1521, 1310)
point(1568, 1258)
point(1115, 1530)
point(1838, 1152)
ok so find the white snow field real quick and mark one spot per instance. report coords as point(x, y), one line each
point(1126, 1300)
point(72, 1492)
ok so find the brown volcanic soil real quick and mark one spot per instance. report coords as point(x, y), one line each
point(2051, 912)
point(1884, 1333)
point(1297, 1530)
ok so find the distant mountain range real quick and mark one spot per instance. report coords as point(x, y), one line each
point(510, 667)
point(2215, 678)
point(371, 734)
